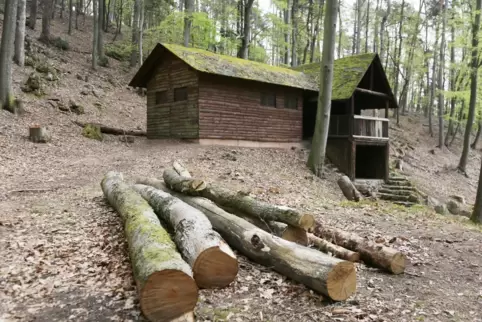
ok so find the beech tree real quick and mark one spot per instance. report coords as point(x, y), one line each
point(6, 53)
point(320, 137)
point(95, 34)
point(189, 8)
point(46, 16)
point(32, 20)
point(19, 56)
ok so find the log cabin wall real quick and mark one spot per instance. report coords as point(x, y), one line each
point(340, 152)
point(172, 101)
point(236, 109)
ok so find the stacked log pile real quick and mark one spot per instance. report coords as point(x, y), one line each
point(180, 231)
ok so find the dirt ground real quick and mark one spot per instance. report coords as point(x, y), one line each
point(63, 250)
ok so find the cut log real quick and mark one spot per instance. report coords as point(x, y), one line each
point(180, 169)
point(348, 189)
point(111, 130)
point(38, 134)
point(337, 251)
point(164, 280)
point(212, 260)
point(371, 253)
point(327, 275)
point(239, 201)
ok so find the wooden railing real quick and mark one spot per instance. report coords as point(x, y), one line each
point(366, 126)
point(363, 126)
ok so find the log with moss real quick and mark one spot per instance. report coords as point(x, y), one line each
point(212, 260)
point(112, 130)
point(371, 253)
point(327, 275)
point(164, 280)
point(227, 198)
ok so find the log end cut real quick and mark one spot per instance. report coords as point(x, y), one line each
point(341, 281)
point(398, 263)
point(215, 268)
point(167, 295)
point(307, 221)
point(296, 235)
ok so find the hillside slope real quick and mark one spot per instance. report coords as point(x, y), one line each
point(64, 251)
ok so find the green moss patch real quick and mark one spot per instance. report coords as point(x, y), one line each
point(92, 131)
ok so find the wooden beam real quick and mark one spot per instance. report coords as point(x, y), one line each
point(369, 92)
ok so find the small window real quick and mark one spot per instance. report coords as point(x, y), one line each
point(180, 94)
point(291, 102)
point(161, 97)
point(268, 99)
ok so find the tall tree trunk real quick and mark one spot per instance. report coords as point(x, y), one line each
point(6, 53)
point(452, 85)
point(375, 34)
point(188, 21)
point(294, 40)
point(47, 9)
point(70, 16)
point(141, 32)
point(77, 13)
point(287, 21)
point(443, 7)
point(62, 8)
point(54, 5)
point(100, 31)
point(398, 58)
point(95, 34)
point(32, 20)
point(432, 87)
point(20, 33)
point(340, 32)
point(358, 26)
point(320, 137)
point(383, 31)
point(367, 26)
point(309, 30)
point(243, 50)
point(474, 68)
point(477, 136)
point(135, 33)
point(319, 17)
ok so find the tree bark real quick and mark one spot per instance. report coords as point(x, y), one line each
point(294, 34)
point(20, 33)
point(141, 32)
point(330, 276)
point(443, 5)
point(317, 155)
point(164, 280)
point(135, 34)
point(189, 9)
point(32, 20)
point(228, 198)
point(244, 49)
point(95, 35)
point(337, 251)
point(100, 31)
point(383, 31)
point(474, 68)
point(452, 86)
point(348, 189)
point(213, 262)
point(477, 136)
point(371, 253)
point(287, 21)
point(46, 16)
point(70, 17)
point(6, 54)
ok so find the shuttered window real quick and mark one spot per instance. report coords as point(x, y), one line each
point(291, 101)
point(268, 99)
point(161, 97)
point(180, 94)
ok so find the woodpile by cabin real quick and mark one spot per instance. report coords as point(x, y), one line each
point(183, 232)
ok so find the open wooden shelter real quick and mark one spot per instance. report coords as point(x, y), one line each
point(219, 99)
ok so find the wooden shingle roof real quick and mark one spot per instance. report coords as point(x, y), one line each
point(348, 71)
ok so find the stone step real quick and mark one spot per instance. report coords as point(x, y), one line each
point(394, 197)
point(405, 183)
point(405, 203)
point(397, 178)
point(395, 187)
point(400, 192)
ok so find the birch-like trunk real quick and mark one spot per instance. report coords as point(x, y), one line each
point(189, 8)
point(20, 33)
point(6, 53)
point(320, 137)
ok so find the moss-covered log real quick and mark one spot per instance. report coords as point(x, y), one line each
point(371, 253)
point(327, 275)
point(348, 189)
point(164, 280)
point(212, 260)
point(227, 198)
point(337, 251)
point(111, 130)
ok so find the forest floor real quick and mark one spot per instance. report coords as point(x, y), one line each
point(63, 250)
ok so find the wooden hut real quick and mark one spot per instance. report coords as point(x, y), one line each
point(219, 99)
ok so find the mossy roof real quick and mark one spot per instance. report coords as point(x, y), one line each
point(348, 71)
point(347, 74)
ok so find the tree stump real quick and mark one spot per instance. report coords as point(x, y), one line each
point(38, 134)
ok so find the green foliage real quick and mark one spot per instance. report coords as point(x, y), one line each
point(61, 43)
point(119, 50)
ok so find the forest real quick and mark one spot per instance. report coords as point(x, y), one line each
point(99, 222)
